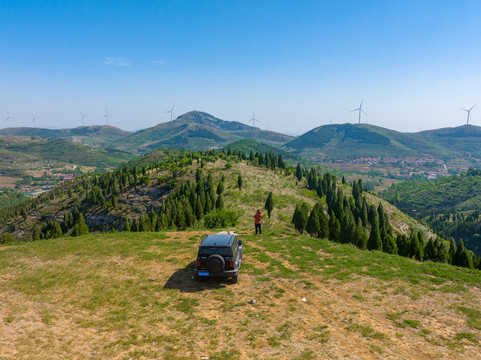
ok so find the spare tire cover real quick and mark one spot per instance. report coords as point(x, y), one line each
point(215, 263)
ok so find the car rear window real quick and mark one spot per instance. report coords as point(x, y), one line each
point(209, 250)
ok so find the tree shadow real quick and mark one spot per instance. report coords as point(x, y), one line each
point(183, 280)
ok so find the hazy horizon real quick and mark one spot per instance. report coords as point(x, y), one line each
point(298, 65)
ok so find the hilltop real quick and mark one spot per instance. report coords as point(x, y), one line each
point(450, 205)
point(94, 135)
point(131, 293)
point(38, 159)
point(195, 130)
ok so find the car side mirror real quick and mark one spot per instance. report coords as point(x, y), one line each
point(240, 242)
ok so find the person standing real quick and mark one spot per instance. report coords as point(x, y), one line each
point(258, 222)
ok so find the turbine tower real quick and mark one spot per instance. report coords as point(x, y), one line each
point(469, 113)
point(83, 117)
point(253, 120)
point(106, 116)
point(360, 110)
point(171, 111)
point(34, 120)
point(8, 119)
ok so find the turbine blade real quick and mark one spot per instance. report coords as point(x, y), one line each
point(365, 113)
point(472, 107)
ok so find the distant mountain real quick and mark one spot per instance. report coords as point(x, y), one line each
point(95, 135)
point(196, 130)
point(349, 141)
point(450, 205)
point(465, 140)
point(19, 156)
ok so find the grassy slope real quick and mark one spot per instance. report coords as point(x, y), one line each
point(16, 152)
point(131, 295)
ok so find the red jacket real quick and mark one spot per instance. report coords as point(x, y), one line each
point(258, 217)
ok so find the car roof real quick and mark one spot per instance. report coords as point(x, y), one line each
point(218, 240)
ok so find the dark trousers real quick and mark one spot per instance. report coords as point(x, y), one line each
point(259, 228)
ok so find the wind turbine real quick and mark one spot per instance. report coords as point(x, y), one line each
point(469, 113)
point(106, 116)
point(253, 120)
point(360, 110)
point(83, 117)
point(171, 111)
point(8, 119)
point(34, 119)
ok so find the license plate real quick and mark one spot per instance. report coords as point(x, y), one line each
point(203, 273)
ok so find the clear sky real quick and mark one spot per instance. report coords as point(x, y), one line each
point(298, 64)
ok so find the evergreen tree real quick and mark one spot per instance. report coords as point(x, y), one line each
point(417, 247)
point(452, 251)
point(219, 204)
point(300, 217)
point(360, 236)
point(374, 242)
point(36, 233)
point(239, 181)
point(281, 162)
point(430, 251)
point(80, 227)
point(24, 214)
point(269, 204)
point(334, 228)
point(313, 226)
point(298, 172)
point(389, 245)
point(220, 188)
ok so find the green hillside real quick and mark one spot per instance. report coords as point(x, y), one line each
point(35, 159)
point(195, 130)
point(450, 205)
point(348, 141)
point(95, 135)
point(464, 140)
point(130, 293)
point(248, 145)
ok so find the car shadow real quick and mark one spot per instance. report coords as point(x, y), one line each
point(183, 280)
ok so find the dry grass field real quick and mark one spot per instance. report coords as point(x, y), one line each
point(132, 296)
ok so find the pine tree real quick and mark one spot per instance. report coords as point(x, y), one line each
point(360, 236)
point(269, 204)
point(417, 247)
point(374, 242)
point(300, 217)
point(36, 233)
point(80, 227)
point(313, 226)
point(389, 245)
point(239, 181)
point(298, 172)
point(219, 204)
point(334, 228)
point(220, 188)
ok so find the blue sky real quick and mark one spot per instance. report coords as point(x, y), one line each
point(298, 64)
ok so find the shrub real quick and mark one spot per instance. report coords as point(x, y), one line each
point(220, 219)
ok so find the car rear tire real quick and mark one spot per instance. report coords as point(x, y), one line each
point(215, 263)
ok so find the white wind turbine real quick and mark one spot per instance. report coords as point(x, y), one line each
point(106, 116)
point(253, 120)
point(34, 120)
point(171, 111)
point(469, 113)
point(7, 119)
point(83, 117)
point(360, 110)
